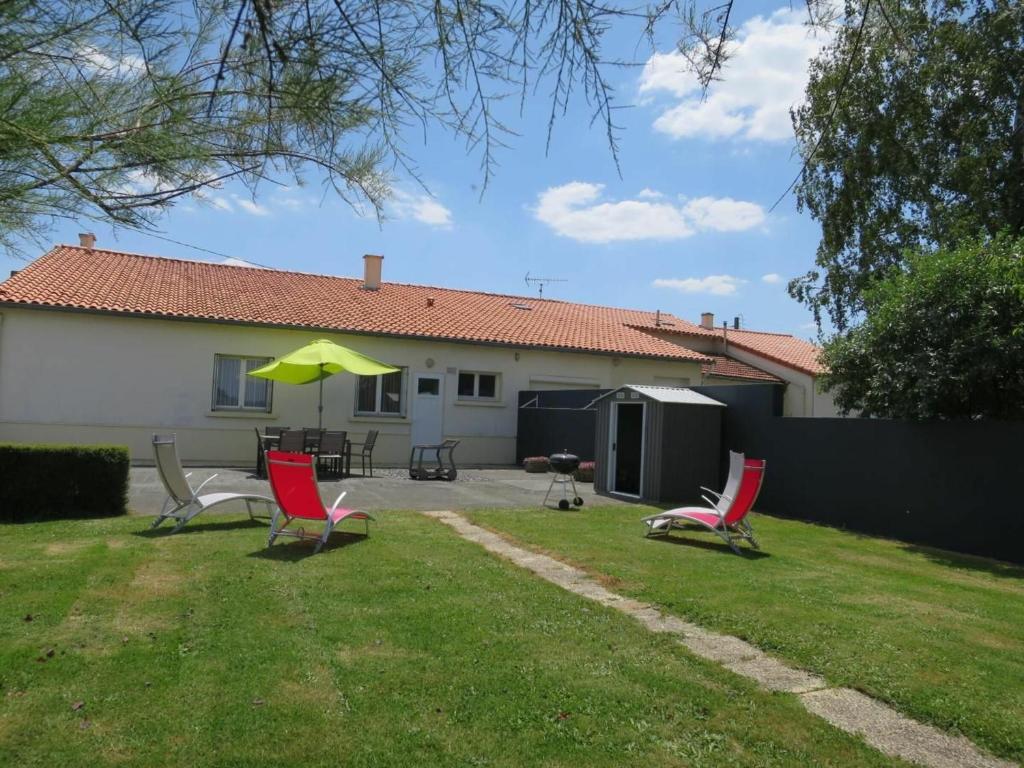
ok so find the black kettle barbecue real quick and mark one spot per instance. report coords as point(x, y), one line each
point(564, 465)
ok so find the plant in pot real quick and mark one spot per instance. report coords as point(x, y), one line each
point(536, 464)
point(585, 473)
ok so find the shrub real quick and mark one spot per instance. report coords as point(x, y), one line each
point(54, 482)
point(585, 473)
point(536, 464)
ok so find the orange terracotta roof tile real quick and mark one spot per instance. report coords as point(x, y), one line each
point(781, 348)
point(778, 347)
point(71, 277)
point(732, 368)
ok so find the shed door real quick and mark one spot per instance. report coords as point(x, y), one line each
point(626, 448)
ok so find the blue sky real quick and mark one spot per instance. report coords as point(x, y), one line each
point(685, 229)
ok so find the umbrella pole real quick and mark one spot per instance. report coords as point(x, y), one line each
point(320, 408)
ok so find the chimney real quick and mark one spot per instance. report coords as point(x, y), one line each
point(86, 239)
point(707, 320)
point(14, 272)
point(736, 323)
point(371, 271)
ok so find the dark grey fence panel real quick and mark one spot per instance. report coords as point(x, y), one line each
point(942, 484)
point(556, 420)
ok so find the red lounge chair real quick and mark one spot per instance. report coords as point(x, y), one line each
point(293, 481)
point(728, 517)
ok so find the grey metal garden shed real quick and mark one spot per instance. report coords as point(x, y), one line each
point(657, 444)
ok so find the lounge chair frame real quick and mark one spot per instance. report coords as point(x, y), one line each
point(730, 532)
point(281, 519)
point(183, 502)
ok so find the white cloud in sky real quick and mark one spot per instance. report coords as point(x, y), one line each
point(420, 207)
point(723, 214)
point(218, 202)
point(772, 278)
point(230, 203)
point(649, 194)
point(575, 210)
point(716, 285)
point(765, 76)
point(124, 66)
point(251, 206)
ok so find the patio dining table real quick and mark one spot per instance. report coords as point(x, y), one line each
point(270, 443)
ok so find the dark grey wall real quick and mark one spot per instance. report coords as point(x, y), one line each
point(553, 421)
point(946, 484)
point(689, 451)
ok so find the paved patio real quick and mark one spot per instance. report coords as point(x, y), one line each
point(388, 489)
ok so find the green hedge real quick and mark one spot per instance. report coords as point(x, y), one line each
point(54, 482)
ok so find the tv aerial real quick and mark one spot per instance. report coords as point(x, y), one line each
point(540, 282)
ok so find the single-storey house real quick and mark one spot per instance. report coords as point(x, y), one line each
point(105, 346)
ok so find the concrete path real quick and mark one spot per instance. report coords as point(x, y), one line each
point(389, 489)
point(878, 724)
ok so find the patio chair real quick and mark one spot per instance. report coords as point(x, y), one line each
point(293, 481)
point(727, 517)
point(366, 450)
point(292, 441)
point(183, 503)
point(332, 451)
point(270, 431)
point(313, 437)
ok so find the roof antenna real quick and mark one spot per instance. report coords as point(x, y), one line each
point(541, 282)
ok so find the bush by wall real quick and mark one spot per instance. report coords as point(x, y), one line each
point(53, 482)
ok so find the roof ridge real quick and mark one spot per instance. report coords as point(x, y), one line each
point(764, 333)
point(277, 271)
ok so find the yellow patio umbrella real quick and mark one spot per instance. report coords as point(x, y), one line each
point(315, 362)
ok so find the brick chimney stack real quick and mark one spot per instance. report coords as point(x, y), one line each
point(87, 240)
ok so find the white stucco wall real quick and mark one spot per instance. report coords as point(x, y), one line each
point(76, 377)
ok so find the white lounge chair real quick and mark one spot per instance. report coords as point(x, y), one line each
point(183, 503)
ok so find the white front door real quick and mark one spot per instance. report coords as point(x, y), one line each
point(427, 408)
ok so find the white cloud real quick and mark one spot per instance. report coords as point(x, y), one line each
point(123, 67)
point(420, 207)
point(716, 285)
point(575, 210)
point(219, 202)
point(765, 76)
point(771, 278)
point(723, 214)
point(649, 194)
point(250, 206)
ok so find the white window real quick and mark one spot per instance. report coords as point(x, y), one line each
point(233, 390)
point(381, 395)
point(478, 386)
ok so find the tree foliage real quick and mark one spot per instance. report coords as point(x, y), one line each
point(113, 109)
point(943, 337)
point(913, 140)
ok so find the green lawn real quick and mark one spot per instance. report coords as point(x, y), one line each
point(411, 647)
point(939, 636)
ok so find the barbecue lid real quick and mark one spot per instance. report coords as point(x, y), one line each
point(564, 459)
